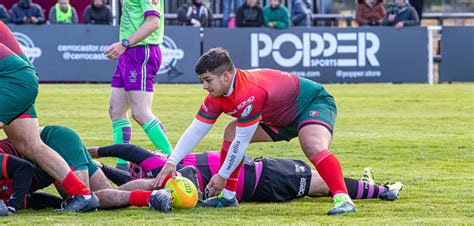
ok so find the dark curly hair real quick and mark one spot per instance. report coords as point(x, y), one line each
point(215, 61)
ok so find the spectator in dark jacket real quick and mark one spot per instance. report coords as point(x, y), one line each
point(250, 14)
point(97, 13)
point(276, 16)
point(301, 13)
point(401, 15)
point(62, 13)
point(4, 15)
point(196, 14)
point(418, 5)
point(370, 12)
point(27, 12)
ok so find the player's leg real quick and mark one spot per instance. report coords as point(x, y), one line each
point(357, 189)
point(24, 134)
point(315, 140)
point(121, 126)
point(97, 179)
point(159, 199)
point(141, 103)
point(139, 184)
point(143, 67)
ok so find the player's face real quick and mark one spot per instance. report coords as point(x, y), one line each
point(252, 3)
point(216, 85)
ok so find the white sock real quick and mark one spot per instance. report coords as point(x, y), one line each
point(229, 194)
point(87, 197)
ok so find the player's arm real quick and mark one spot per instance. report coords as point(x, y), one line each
point(21, 172)
point(238, 147)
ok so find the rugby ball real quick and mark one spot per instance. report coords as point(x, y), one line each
point(185, 194)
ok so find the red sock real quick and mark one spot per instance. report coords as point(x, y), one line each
point(139, 198)
point(74, 186)
point(330, 170)
point(232, 181)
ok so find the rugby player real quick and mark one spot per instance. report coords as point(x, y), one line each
point(18, 91)
point(69, 146)
point(139, 59)
point(260, 180)
point(270, 106)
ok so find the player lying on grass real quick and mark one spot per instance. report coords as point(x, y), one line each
point(262, 180)
point(20, 176)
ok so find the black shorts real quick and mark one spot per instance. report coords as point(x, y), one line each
point(282, 180)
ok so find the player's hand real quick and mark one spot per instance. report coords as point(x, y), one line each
point(391, 17)
point(216, 185)
point(271, 24)
point(399, 25)
point(169, 170)
point(34, 20)
point(93, 151)
point(115, 50)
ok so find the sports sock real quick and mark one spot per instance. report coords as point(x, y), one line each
point(330, 170)
point(74, 186)
point(360, 190)
point(154, 130)
point(139, 198)
point(122, 134)
point(231, 184)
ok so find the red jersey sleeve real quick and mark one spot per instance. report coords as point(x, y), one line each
point(7, 39)
point(209, 111)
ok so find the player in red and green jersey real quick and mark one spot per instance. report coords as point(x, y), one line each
point(18, 91)
point(139, 59)
point(268, 105)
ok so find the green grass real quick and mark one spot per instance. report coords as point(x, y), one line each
point(418, 134)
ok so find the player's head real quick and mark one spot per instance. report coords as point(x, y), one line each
point(216, 70)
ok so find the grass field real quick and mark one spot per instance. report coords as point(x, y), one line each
point(418, 134)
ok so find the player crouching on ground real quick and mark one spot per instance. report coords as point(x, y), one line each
point(20, 176)
point(260, 180)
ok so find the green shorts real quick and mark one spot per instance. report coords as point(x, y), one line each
point(321, 112)
point(18, 92)
point(69, 146)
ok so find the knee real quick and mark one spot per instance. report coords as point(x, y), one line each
point(116, 113)
point(229, 131)
point(312, 148)
point(141, 117)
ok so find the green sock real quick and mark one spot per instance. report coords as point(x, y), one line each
point(157, 136)
point(122, 133)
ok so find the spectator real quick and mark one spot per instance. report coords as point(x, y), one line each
point(324, 7)
point(401, 15)
point(196, 14)
point(226, 10)
point(27, 12)
point(249, 14)
point(301, 13)
point(62, 13)
point(276, 16)
point(4, 15)
point(97, 13)
point(370, 12)
point(418, 5)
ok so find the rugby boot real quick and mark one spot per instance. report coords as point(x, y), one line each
point(79, 203)
point(191, 173)
point(342, 204)
point(368, 176)
point(3, 209)
point(219, 201)
point(161, 200)
point(393, 192)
